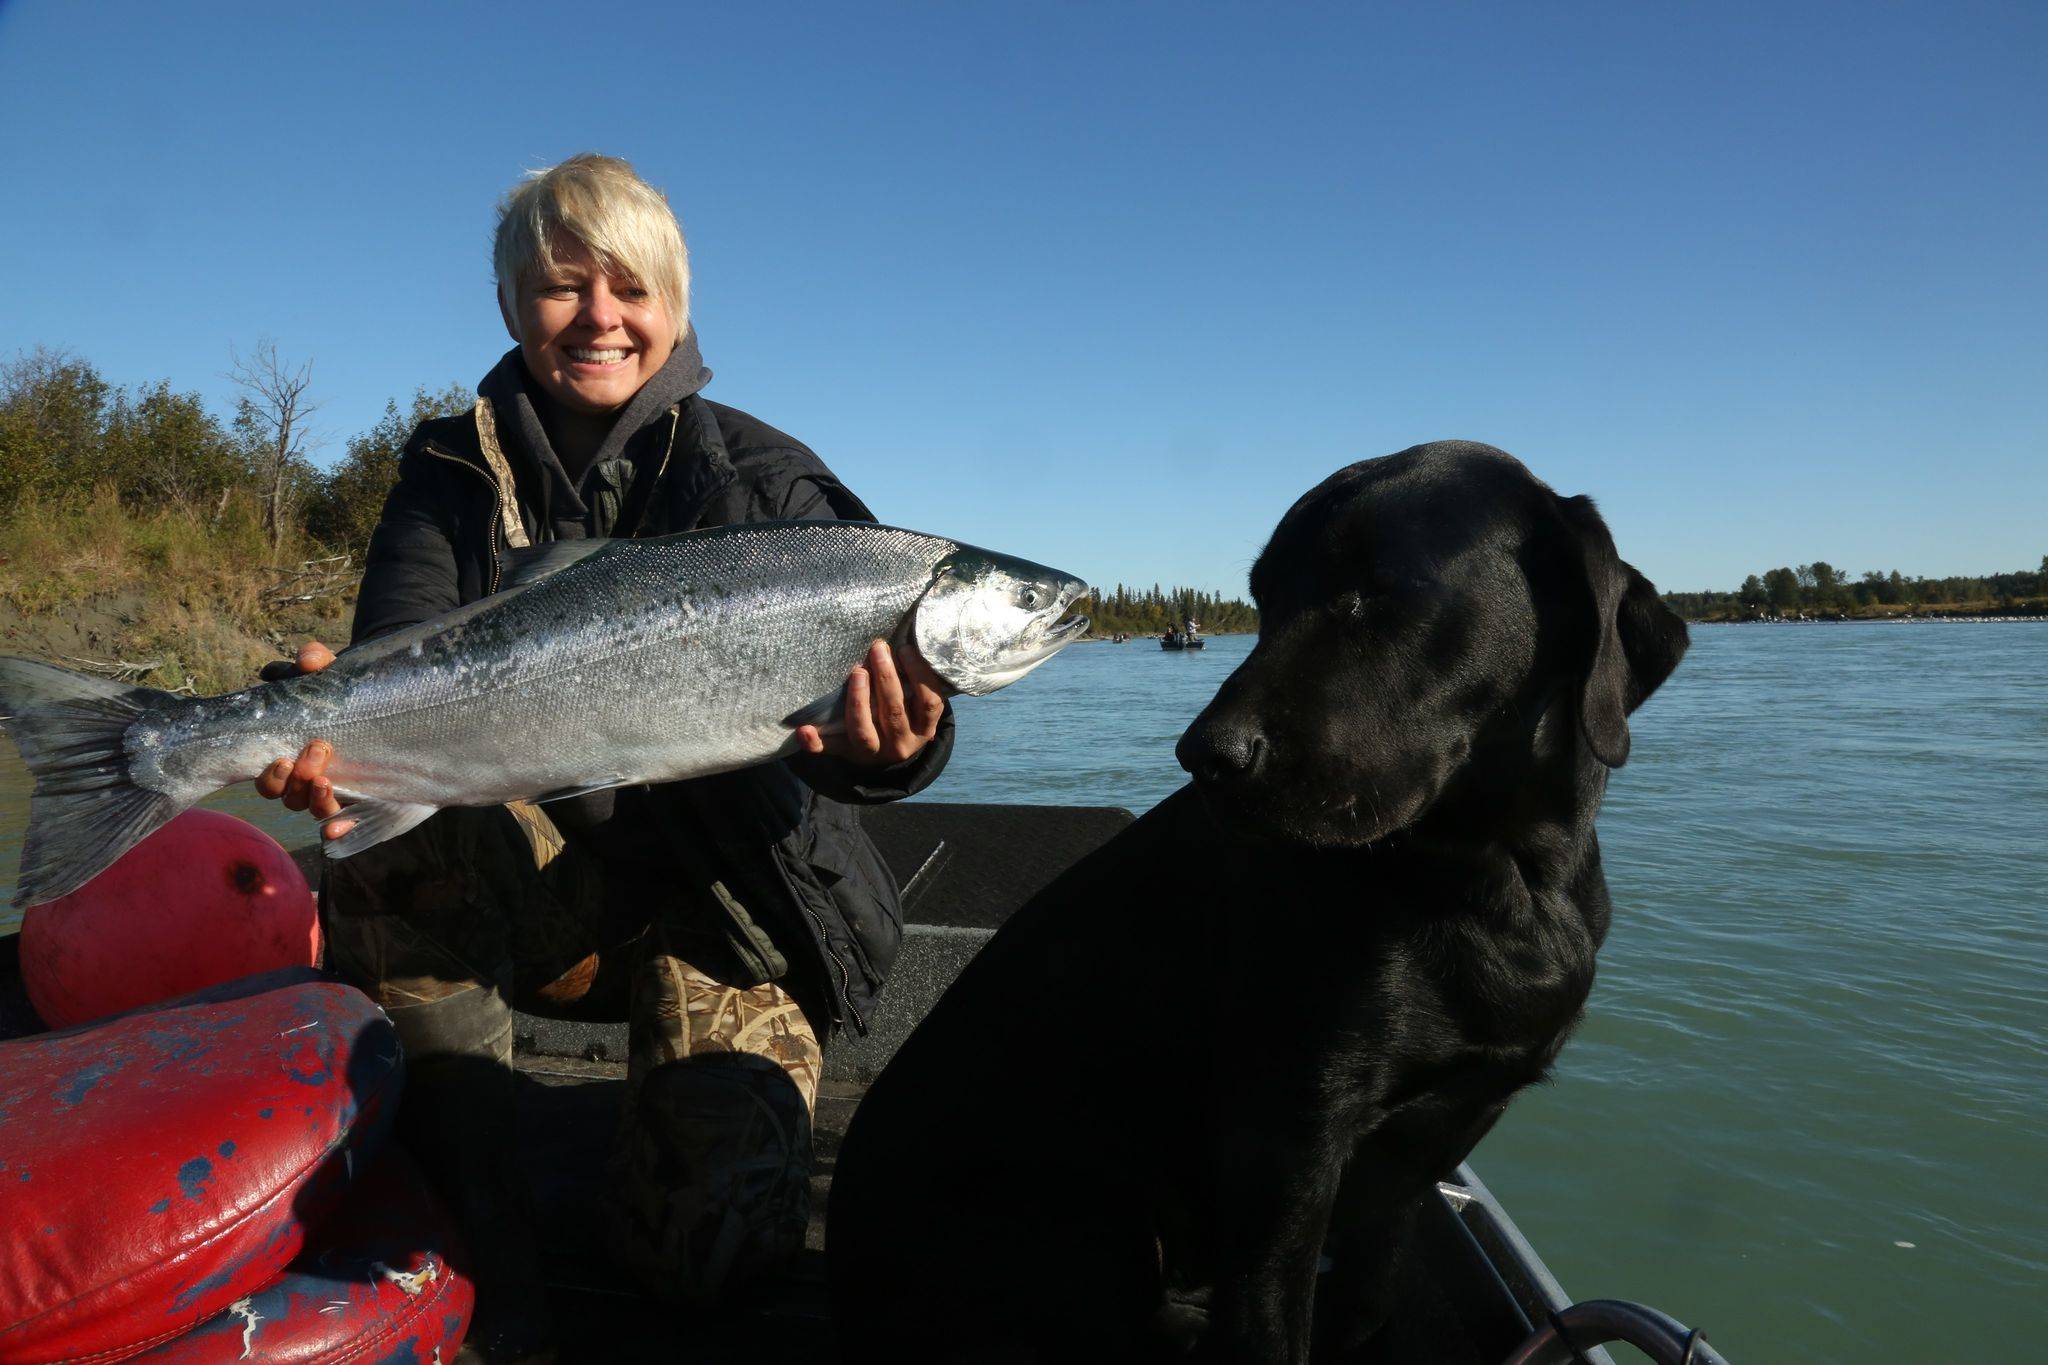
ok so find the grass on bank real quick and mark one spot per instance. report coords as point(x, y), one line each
point(193, 591)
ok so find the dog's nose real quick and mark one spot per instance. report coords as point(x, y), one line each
point(1213, 752)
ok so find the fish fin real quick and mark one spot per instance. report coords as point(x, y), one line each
point(86, 811)
point(398, 641)
point(529, 566)
point(376, 821)
point(601, 785)
point(828, 713)
point(532, 563)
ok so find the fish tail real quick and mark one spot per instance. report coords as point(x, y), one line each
point(86, 810)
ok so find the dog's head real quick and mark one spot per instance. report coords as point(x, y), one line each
point(1432, 618)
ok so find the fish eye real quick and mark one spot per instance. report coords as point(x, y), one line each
point(1029, 597)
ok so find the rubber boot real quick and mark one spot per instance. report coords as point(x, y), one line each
point(711, 1177)
point(711, 1172)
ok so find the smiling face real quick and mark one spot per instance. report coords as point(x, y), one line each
point(590, 336)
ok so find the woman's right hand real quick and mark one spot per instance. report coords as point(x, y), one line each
point(302, 782)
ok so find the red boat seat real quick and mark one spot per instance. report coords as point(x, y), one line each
point(156, 1167)
point(377, 1282)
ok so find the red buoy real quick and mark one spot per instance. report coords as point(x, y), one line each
point(205, 899)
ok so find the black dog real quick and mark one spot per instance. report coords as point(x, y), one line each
point(1255, 1028)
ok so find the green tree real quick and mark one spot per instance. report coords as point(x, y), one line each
point(1781, 587)
point(1828, 588)
point(166, 448)
point(345, 509)
point(53, 418)
point(1879, 587)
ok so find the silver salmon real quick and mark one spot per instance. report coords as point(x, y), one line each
point(601, 663)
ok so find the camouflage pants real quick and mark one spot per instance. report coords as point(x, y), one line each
point(477, 910)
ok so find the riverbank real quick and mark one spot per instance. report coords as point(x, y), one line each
point(171, 598)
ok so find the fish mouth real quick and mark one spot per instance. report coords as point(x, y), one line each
point(1064, 632)
point(1052, 642)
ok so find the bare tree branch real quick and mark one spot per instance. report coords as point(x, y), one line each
point(122, 670)
point(312, 580)
point(277, 405)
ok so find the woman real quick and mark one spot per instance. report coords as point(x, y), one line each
point(746, 906)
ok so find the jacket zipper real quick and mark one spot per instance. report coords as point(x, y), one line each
point(845, 1001)
point(497, 508)
point(845, 977)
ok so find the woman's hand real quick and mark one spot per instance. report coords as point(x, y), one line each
point(893, 705)
point(302, 782)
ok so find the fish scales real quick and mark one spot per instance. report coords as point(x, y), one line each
point(680, 659)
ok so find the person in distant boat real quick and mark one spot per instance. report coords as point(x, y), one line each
point(733, 919)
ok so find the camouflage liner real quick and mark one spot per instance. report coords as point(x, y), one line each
point(689, 1013)
point(712, 1162)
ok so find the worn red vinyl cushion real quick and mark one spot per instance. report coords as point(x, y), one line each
point(156, 1167)
point(377, 1282)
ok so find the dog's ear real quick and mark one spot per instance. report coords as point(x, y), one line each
point(1637, 640)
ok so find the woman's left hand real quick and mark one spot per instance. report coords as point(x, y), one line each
point(893, 705)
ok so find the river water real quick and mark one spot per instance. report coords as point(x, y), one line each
point(1808, 1109)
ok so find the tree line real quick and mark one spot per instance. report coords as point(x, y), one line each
point(1135, 611)
point(66, 433)
point(1820, 589)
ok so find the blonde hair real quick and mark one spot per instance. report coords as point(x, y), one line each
point(601, 202)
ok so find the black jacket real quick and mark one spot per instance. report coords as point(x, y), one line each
point(781, 840)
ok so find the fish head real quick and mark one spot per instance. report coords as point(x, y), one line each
point(988, 619)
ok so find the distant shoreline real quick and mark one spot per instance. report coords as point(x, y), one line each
point(1943, 619)
point(1205, 635)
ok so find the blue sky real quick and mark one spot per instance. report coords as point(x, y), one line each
point(1109, 285)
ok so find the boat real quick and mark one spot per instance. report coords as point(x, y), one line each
point(1188, 635)
point(1475, 1292)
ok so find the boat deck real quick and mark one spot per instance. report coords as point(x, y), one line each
point(1456, 1309)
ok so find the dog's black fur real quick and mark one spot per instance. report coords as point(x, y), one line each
point(1280, 1006)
